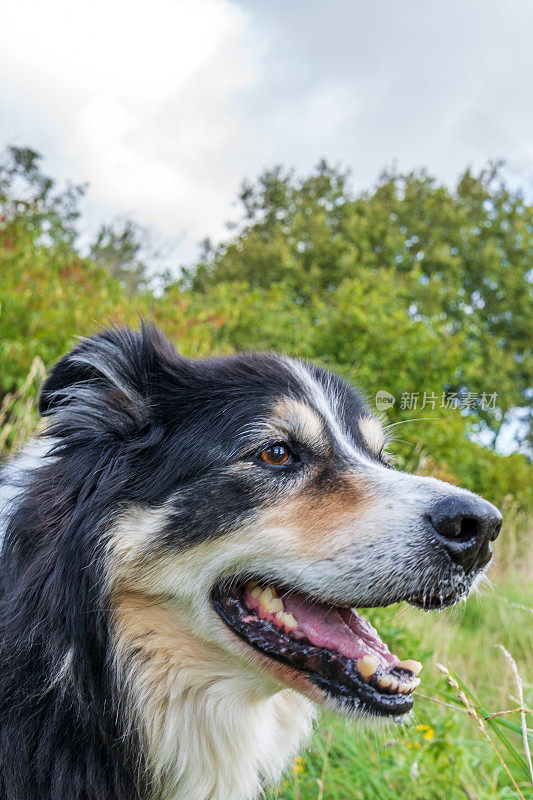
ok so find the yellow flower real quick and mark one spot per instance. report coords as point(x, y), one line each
point(427, 730)
point(285, 783)
point(299, 764)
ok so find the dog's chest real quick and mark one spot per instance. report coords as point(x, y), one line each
point(227, 748)
point(223, 747)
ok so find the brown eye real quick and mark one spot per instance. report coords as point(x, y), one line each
point(277, 455)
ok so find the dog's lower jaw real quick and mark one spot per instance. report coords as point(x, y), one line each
point(211, 731)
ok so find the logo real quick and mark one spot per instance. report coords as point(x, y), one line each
point(384, 400)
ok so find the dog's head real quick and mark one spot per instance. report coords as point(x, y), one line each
point(253, 496)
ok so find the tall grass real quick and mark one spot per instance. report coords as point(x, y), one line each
point(18, 411)
point(470, 734)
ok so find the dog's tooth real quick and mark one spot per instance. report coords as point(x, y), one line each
point(287, 619)
point(384, 681)
point(367, 666)
point(256, 592)
point(393, 684)
point(413, 666)
point(270, 601)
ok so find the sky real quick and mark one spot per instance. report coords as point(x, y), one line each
point(165, 107)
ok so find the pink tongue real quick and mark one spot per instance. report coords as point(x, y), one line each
point(338, 629)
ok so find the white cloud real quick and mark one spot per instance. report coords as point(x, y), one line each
point(165, 107)
point(410, 82)
point(136, 96)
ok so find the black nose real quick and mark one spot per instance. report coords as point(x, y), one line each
point(466, 526)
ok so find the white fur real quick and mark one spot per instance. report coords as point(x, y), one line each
point(213, 731)
point(215, 725)
point(15, 476)
point(373, 434)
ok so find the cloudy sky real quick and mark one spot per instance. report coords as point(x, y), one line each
point(164, 107)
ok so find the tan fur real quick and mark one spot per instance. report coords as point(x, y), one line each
point(301, 421)
point(213, 730)
point(317, 519)
point(373, 434)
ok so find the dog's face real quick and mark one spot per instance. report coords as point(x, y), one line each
point(265, 510)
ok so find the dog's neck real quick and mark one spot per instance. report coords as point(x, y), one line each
point(211, 729)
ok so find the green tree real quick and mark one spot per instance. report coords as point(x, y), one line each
point(461, 258)
point(328, 288)
point(31, 203)
point(119, 249)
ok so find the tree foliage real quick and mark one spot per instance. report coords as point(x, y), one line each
point(32, 206)
point(119, 248)
point(458, 261)
point(411, 288)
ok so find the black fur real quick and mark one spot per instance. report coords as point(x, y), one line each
point(132, 422)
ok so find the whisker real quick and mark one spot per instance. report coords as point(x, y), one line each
point(415, 419)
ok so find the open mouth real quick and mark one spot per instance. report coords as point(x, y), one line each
point(340, 651)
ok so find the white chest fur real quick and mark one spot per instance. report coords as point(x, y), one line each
point(212, 731)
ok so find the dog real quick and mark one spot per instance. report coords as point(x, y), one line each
point(184, 548)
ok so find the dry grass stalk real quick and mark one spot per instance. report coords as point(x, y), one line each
point(523, 711)
point(322, 780)
point(510, 711)
point(472, 712)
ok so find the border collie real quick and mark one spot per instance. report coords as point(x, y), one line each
point(183, 549)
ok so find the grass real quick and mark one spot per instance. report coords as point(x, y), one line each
point(18, 411)
point(449, 750)
point(466, 739)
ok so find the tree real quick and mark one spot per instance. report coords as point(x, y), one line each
point(119, 249)
point(463, 257)
point(369, 285)
point(31, 203)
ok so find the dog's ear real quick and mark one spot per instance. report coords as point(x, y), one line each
point(108, 382)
